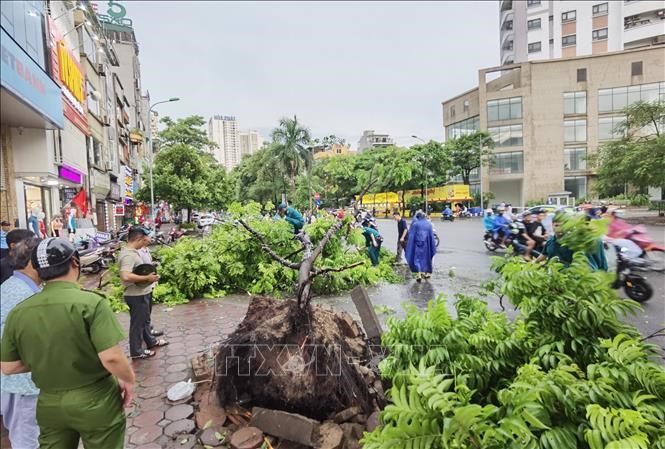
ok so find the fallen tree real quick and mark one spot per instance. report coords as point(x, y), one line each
point(293, 355)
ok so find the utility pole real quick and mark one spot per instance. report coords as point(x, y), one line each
point(480, 171)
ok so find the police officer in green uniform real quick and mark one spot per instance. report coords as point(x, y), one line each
point(67, 338)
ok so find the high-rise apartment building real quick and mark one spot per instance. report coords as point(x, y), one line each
point(546, 116)
point(535, 30)
point(250, 142)
point(370, 139)
point(223, 130)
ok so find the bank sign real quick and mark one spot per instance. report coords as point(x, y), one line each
point(67, 71)
point(21, 76)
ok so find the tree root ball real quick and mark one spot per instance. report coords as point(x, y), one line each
point(295, 360)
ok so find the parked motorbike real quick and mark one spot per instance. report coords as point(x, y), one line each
point(175, 234)
point(91, 260)
point(635, 285)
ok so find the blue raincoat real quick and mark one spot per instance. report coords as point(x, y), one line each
point(421, 247)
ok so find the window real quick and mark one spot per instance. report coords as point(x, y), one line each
point(532, 2)
point(568, 41)
point(574, 102)
point(504, 109)
point(508, 25)
point(93, 105)
point(581, 75)
point(599, 10)
point(466, 105)
point(574, 159)
point(607, 127)
point(452, 111)
point(463, 127)
point(533, 24)
point(576, 185)
point(551, 41)
point(599, 35)
point(534, 47)
point(507, 136)
point(507, 163)
point(574, 131)
point(568, 16)
point(636, 68)
point(23, 22)
point(551, 19)
point(617, 98)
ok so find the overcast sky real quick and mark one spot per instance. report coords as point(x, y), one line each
point(342, 67)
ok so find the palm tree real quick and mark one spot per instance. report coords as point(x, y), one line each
point(291, 142)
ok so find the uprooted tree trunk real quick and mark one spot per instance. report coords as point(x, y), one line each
point(294, 356)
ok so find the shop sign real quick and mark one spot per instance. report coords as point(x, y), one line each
point(66, 70)
point(68, 194)
point(128, 184)
point(69, 174)
point(21, 76)
point(116, 15)
point(119, 210)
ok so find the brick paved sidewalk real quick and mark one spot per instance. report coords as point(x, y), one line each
point(189, 328)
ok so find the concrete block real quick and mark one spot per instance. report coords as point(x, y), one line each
point(366, 311)
point(290, 426)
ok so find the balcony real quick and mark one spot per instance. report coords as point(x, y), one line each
point(643, 27)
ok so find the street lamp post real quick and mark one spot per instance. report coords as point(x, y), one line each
point(426, 173)
point(150, 149)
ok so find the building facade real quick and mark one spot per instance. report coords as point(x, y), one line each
point(547, 116)
point(223, 130)
point(68, 127)
point(336, 149)
point(533, 30)
point(250, 142)
point(370, 139)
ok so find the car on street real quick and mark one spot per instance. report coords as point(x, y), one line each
point(205, 220)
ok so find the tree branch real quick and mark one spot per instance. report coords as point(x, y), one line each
point(321, 271)
point(326, 238)
point(266, 247)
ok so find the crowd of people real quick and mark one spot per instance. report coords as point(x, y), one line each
point(52, 397)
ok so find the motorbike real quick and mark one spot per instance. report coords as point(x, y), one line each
point(654, 253)
point(635, 285)
point(493, 244)
point(175, 234)
point(450, 217)
point(437, 240)
point(91, 260)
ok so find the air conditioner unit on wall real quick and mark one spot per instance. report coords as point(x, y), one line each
point(100, 70)
point(108, 166)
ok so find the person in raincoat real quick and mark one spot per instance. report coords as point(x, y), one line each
point(292, 216)
point(421, 247)
point(372, 241)
point(488, 220)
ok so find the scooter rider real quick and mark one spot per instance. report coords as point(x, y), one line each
point(501, 228)
point(488, 220)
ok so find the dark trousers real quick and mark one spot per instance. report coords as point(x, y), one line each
point(139, 324)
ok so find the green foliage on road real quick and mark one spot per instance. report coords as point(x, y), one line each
point(230, 260)
point(567, 373)
point(638, 158)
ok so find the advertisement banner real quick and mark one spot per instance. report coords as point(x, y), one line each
point(21, 76)
point(66, 70)
point(127, 184)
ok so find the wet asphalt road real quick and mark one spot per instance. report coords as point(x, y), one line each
point(463, 253)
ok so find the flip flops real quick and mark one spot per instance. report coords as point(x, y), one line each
point(146, 354)
point(160, 342)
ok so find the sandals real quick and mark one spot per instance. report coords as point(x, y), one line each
point(160, 342)
point(146, 354)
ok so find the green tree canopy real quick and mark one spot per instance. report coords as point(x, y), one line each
point(638, 158)
point(464, 153)
point(291, 147)
point(185, 131)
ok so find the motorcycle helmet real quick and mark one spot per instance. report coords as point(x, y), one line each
point(52, 252)
point(489, 211)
